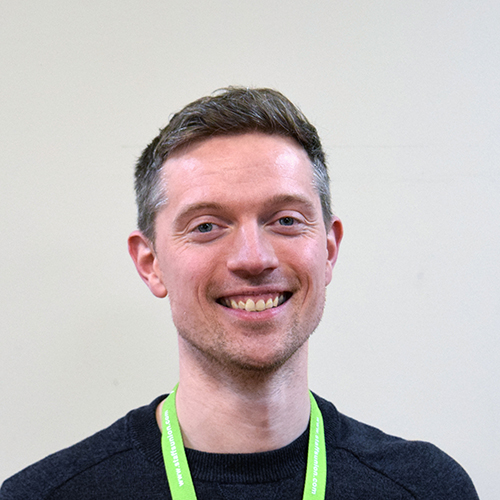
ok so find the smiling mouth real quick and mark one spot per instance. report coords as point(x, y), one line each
point(255, 304)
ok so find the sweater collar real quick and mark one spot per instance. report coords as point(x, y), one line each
point(268, 466)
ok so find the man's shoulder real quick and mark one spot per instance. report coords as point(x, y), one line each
point(418, 467)
point(43, 478)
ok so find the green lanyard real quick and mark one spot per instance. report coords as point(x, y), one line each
point(179, 476)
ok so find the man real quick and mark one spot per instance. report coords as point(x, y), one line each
point(235, 226)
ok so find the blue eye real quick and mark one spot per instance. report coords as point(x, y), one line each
point(206, 227)
point(286, 221)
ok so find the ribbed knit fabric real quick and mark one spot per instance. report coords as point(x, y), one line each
point(125, 462)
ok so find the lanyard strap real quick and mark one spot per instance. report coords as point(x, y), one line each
point(176, 465)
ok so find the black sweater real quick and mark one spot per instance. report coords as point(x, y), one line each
point(125, 462)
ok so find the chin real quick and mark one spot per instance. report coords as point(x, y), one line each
point(218, 351)
point(259, 362)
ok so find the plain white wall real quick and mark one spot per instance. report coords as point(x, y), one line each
point(406, 96)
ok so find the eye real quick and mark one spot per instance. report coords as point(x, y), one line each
point(206, 227)
point(286, 221)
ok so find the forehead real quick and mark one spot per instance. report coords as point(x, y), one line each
point(247, 166)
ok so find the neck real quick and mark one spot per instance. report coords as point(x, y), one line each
point(231, 411)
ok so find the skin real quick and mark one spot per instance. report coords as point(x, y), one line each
point(242, 220)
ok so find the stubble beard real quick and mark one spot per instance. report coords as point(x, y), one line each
point(215, 351)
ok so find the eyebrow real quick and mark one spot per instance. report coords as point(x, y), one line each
point(283, 199)
point(197, 207)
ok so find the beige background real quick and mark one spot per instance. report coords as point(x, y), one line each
point(406, 96)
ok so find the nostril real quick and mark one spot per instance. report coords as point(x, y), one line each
point(252, 263)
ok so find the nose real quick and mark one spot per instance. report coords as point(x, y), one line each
point(251, 252)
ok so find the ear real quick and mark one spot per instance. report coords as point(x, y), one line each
point(333, 239)
point(142, 252)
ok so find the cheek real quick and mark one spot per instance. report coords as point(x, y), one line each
point(189, 277)
point(311, 260)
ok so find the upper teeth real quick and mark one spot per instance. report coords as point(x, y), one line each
point(251, 305)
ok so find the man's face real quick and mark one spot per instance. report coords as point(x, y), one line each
point(241, 248)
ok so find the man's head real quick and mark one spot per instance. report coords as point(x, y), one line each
point(230, 111)
point(245, 244)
